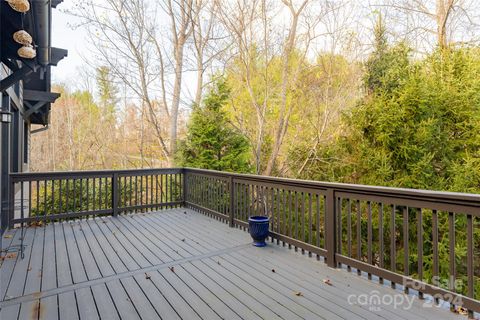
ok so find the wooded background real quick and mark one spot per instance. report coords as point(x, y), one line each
point(383, 93)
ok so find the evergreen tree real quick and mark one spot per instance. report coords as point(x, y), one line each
point(211, 141)
point(386, 66)
point(107, 91)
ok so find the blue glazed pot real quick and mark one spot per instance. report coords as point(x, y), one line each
point(258, 226)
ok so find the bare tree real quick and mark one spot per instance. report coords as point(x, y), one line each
point(261, 32)
point(450, 22)
point(241, 20)
point(285, 109)
point(207, 40)
point(126, 36)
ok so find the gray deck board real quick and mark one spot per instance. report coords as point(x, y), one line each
point(67, 306)
point(157, 244)
point(48, 308)
point(122, 302)
point(64, 275)
point(178, 302)
point(207, 296)
point(161, 305)
point(320, 293)
point(110, 250)
point(94, 247)
point(8, 264)
point(29, 310)
point(88, 260)
point(139, 300)
point(203, 310)
point(214, 283)
point(105, 306)
point(150, 251)
point(286, 295)
point(17, 282)
point(76, 264)
point(175, 264)
point(129, 245)
point(49, 268)
point(86, 304)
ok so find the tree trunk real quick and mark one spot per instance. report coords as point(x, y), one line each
point(176, 98)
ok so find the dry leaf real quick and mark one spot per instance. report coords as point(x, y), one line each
point(10, 255)
point(172, 269)
point(8, 236)
point(327, 281)
point(298, 294)
point(147, 276)
point(462, 311)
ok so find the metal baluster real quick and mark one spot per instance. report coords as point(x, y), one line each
point(393, 263)
point(435, 246)
point(470, 262)
point(420, 248)
point(22, 224)
point(318, 222)
point(453, 273)
point(359, 235)
point(380, 237)
point(369, 236)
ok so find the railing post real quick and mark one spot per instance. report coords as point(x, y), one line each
point(185, 194)
point(115, 194)
point(11, 202)
point(232, 202)
point(330, 228)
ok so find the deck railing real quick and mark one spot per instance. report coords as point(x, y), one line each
point(424, 241)
point(53, 196)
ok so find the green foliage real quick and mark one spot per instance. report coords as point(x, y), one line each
point(420, 130)
point(211, 141)
point(107, 90)
point(420, 134)
point(416, 127)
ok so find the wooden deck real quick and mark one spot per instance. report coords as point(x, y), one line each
point(176, 264)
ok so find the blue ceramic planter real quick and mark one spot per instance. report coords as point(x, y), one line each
point(258, 226)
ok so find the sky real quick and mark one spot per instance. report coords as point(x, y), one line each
point(65, 36)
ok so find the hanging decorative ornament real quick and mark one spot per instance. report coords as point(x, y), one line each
point(27, 52)
point(19, 5)
point(22, 37)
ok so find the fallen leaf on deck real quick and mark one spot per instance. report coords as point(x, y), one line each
point(462, 311)
point(8, 236)
point(147, 276)
point(218, 262)
point(327, 281)
point(10, 255)
point(298, 294)
point(172, 269)
point(183, 239)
